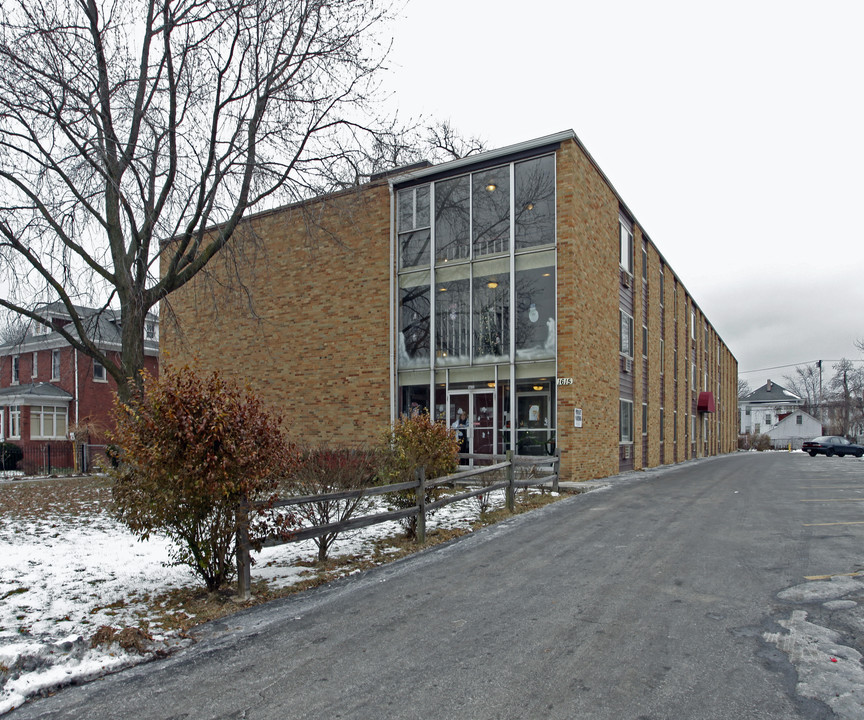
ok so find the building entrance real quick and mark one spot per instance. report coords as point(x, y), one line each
point(473, 414)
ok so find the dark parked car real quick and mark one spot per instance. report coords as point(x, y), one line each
point(829, 445)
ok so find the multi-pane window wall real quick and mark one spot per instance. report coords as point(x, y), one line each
point(477, 267)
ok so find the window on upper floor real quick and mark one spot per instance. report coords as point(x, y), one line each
point(644, 341)
point(493, 233)
point(477, 214)
point(412, 225)
point(34, 372)
point(16, 369)
point(534, 202)
point(644, 261)
point(625, 231)
point(490, 211)
point(661, 285)
point(626, 345)
point(799, 420)
point(55, 364)
point(99, 374)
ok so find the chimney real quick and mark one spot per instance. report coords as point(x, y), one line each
point(768, 386)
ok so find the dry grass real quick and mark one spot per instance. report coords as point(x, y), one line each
point(63, 497)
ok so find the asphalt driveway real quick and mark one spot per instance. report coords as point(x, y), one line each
point(659, 597)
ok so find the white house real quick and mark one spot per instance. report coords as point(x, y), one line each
point(766, 407)
point(794, 429)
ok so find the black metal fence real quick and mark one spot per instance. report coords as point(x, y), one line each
point(91, 458)
point(48, 458)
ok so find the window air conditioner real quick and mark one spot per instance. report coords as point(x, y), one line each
point(625, 278)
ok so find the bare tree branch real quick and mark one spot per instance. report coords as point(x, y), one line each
point(126, 125)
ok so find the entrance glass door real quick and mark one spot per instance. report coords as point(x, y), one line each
point(472, 414)
point(535, 436)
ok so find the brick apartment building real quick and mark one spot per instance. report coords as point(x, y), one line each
point(515, 286)
point(48, 389)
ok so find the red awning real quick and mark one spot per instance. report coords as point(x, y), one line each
point(705, 404)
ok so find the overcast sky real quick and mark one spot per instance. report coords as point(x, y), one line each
point(732, 130)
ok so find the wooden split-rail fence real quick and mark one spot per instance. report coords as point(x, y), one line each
point(548, 467)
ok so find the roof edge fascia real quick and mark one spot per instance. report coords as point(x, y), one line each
point(469, 160)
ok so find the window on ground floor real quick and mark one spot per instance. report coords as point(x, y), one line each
point(15, 422)
point(48, 422)
point(625, 428)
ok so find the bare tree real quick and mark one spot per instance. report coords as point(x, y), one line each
point(123, 124)
point(805, 384)
point(744, 388)
point(846, 396)
point(444, 142)
point(429, 141)
point(13, 331)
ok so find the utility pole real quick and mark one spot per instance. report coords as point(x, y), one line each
point(821, 419)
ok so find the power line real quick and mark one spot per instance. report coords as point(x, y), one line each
point(779, 367)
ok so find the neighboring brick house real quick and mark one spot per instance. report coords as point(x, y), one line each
point(48, 389)
point(514, 285)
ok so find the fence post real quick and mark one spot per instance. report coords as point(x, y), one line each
point(421, 504)
point(511, 480)
point(244, 576)
point(556, 466)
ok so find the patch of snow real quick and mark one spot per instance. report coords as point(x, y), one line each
point(822, 590)
point(827, 670)
point(62, 576)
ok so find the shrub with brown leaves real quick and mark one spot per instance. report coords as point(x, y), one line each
point(415, 441)
point(192, 448)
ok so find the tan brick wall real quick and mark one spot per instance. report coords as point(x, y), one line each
point(314, 342)
point(587, 316)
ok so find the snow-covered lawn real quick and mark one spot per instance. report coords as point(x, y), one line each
point(68, 568)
